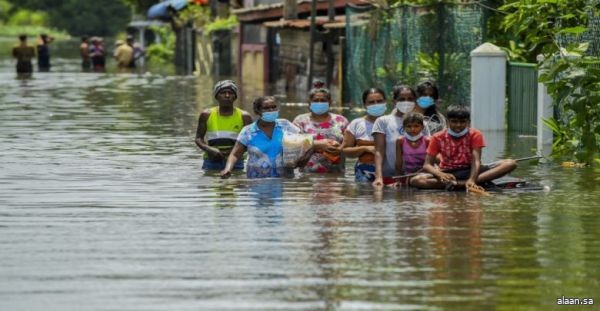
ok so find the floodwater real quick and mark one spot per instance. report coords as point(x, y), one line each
point(103, 206)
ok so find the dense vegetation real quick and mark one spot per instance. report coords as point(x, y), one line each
point(76, 17)
point(554, 29)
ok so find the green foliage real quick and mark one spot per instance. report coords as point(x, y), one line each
point(25, 17)
point(162, 53)
point(199, 15)
point(221, 24)
point(140, 6)
point(572, 77)
point(5, 8)
point(77, 17)
point(31, 31)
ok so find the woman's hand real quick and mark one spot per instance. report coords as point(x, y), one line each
point(378, 183)
point(226, 173)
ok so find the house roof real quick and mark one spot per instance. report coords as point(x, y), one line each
point(275, 11)
point(304, 23)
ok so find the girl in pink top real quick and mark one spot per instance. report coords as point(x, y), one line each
point(411, 148)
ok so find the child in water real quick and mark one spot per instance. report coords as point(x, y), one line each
point(459, 148)
point(411, 148)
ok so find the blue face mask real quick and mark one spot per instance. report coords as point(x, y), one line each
point(376, 110)
point(270, 116)
point(425, 102)
point(458, 134)
point(319, 108)
point(413, 138)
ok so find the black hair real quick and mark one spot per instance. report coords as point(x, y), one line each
point(315, 90)
point(413, 117)
point(22, 37)
point(424, 86)
point(397, 90)
point(421, 89)
point(460, 112)
point(372, 90)
point(84, 38)
point(257, 104)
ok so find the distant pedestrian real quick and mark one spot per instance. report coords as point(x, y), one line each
point(84, 50)
point(138, 51)
point(123, 54)
point(23, 53)
point(43, 52)
point(97, 54)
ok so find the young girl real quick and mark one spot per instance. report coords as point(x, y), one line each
point(427, 100)
point(411, 148)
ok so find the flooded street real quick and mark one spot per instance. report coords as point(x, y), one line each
point(103, 206)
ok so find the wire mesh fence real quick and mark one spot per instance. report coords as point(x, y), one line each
point(408, 44)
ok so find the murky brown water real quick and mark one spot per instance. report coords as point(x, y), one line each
point(103, 206)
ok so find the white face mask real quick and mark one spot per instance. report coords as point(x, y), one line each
point(405, 106)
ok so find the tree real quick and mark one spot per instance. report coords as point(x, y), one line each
point(105, 17)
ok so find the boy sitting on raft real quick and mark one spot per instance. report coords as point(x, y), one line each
point(459, 150)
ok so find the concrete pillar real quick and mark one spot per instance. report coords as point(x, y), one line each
point(488, 87)
point(545, 110)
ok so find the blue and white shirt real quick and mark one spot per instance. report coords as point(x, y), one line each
point(265, 155)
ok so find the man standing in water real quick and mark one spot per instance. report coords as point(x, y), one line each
point(23, 53)
point(84, 50)
point(44, 53)
point(218, 127)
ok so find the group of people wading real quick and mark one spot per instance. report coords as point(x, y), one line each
point(415, 141)
point(25, 53)
point(92, 51)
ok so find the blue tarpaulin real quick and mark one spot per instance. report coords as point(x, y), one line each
point(160, 10)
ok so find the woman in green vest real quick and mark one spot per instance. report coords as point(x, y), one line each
point(218, 127)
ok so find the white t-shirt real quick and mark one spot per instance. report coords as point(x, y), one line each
point(391, 126)
point(361, 129)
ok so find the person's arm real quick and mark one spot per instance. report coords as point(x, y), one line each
point(399, 155)
point(213, 153)
point(475, 167)
point(350, 149)
point(234, 156)
point(246, 118)
point(433, 149)
point(379, 157)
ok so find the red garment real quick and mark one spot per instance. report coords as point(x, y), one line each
point(455, 152)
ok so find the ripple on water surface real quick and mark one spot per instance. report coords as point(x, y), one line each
point(103, 206)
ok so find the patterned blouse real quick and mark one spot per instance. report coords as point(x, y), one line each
point(332, 129)
point(265, 155)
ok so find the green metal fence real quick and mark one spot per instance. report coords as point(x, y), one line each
point(522, 98)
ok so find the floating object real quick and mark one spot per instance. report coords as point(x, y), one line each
point(573, 164)
point(478, 189)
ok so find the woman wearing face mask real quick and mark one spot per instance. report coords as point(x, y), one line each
point(358, 141)
point(386, 130)
point(427, 98)
point(327, 130)
point(263, 140)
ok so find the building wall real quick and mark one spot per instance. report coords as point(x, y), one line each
point(293, 63)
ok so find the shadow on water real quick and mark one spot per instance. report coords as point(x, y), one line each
point(102, 199)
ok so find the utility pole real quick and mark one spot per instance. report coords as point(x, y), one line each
point(313, 33)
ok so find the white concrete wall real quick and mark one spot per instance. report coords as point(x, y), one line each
point(488, 88)
point(545, 110)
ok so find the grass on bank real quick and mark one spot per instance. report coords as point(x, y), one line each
point(31, 31)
